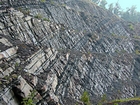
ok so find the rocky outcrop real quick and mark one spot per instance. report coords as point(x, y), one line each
point(61, 48)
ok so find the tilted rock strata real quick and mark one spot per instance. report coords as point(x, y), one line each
point(80, 47)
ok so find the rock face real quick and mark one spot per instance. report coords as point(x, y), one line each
point(61, 48)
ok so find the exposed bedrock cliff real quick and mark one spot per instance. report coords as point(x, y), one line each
point(61, 48)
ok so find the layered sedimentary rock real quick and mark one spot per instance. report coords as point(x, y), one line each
point(61, 48)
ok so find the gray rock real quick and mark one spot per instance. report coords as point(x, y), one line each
point(73, 46)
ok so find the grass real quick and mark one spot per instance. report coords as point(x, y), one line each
point(46, 19)
point(115, 102)
point(103, 99)
point(63, 5)
point(136, 37)
point(38, 16)
point(114, 35)
point(1, 3)
point(42, 1)
point(24, 11)
point(52, 2)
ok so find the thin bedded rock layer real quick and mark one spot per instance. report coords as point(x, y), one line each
point(61, 49)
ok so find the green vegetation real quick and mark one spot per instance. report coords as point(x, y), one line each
point(137, 52)
point(46, 19)
point(136, 37)
point(6, 77)
point(130, 14)
point(2, 2)
point(0, 83)
point(42, 1)
point(30, 99)
point(103, 100)
point(14, 76)
point(16, 65)
point(117, 101)
point(62, 28)
point(63, 5)
point(85, 98)
point(24, 11)
point(52, 2)
point(38, 16)
point(76, 104)
point(114, 35)
point(126, 100)
point(131, 27)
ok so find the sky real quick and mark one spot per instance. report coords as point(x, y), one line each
point(126, 3)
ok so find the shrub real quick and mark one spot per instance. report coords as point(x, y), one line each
point(38, 16)
point(85, 98)
point(131, 27)
point(30, 99)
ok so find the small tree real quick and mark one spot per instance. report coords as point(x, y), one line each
point(111, 7)
point(103, 3)
point(96, 1)
point(117, 9)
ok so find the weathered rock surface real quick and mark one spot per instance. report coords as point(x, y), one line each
point(62, 48)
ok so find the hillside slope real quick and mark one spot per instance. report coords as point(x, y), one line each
point(61, 48)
